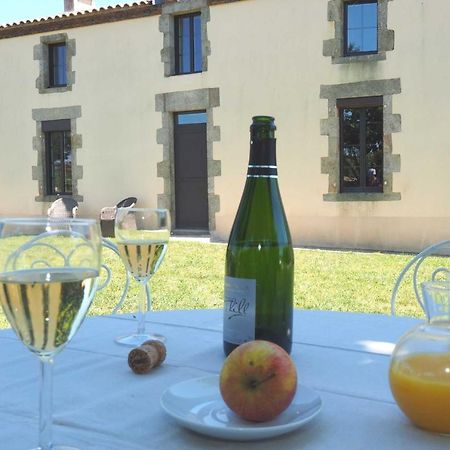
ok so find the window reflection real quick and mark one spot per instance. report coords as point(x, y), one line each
point(191, 118)
point(58, 162)
point(197, 44)
point(57, 65)
point(188, 43)
point(361, 27)
point(362, 149)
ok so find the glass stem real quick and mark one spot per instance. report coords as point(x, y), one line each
point(46, 404)
point(148, 293)
point(142, 308)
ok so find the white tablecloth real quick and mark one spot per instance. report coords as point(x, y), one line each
point(100, 404)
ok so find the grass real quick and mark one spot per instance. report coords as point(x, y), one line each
point(191, 277)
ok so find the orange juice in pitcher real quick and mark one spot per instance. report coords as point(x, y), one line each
point(419, 373)
point(420, 384)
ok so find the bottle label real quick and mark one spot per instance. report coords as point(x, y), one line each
point(239, 310)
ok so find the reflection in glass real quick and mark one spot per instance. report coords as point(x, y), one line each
point(362, 148)
point(351, 126)
point(57, 62)
point(362, 26)
point(197, 43)
point(354, 40)
point(192, 118)
point(375, 114)
point(188, 43)
point(185, 45)
point(351, 166)
point(59, 162)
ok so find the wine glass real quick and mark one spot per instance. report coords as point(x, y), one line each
point(48, 278)
point(142, 236)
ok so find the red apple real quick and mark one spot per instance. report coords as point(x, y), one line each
point(258, 380)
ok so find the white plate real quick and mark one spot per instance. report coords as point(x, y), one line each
point(197, 404)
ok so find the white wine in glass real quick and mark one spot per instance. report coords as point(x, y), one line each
point(142, 237)
point(48, 278)
point(42, 306)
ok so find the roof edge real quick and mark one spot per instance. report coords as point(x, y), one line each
point(88, 18)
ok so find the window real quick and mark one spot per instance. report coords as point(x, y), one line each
point(188, 43)
point(185, 36)
point(56, 144)
point(55, 53)
point(58, 157)
point(57, 65)
point(191, 118)
point(361, 144)
point(361, 31)
point(360, 27)
point(359, 131)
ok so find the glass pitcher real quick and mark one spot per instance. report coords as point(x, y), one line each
point(419, 373)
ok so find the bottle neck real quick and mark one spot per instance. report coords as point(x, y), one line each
point(263, 159)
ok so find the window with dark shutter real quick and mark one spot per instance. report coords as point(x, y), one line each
point(58, 157)
point(361, 144)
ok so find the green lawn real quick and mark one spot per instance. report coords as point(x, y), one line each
point(191, 277)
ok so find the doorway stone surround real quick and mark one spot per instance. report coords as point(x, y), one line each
point(185, 101)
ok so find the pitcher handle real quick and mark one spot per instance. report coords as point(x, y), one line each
point(418, 260)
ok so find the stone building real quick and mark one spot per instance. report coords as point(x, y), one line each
point(154, 100)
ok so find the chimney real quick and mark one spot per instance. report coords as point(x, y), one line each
point(78, 5)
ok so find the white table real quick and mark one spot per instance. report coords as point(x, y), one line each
point(100, 404)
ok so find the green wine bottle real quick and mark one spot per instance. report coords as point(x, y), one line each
point(259, 268)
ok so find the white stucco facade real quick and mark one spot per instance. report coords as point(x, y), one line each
point(265, 57)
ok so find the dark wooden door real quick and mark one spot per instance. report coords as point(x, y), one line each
point(191, 182)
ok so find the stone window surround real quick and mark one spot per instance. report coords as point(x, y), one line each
point(41, 54)
point(185, 101)
point(167, 27)
point(335, 47)
point(330, 127)
point(38, 172)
